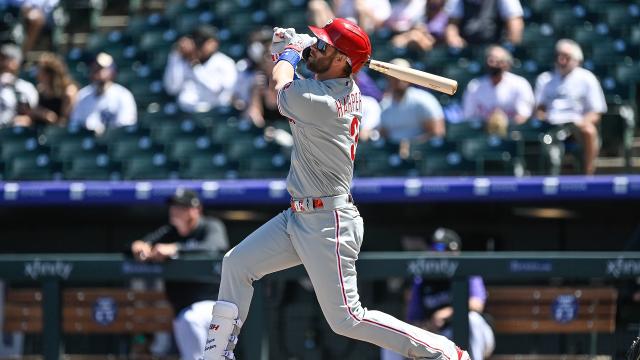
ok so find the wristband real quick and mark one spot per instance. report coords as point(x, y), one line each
point(291, 56)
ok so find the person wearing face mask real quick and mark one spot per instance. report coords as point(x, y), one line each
point(499, 95)
point(188, 231)
point(104, 103)
point(201, 76)
point(17, 96)
point(571, 94)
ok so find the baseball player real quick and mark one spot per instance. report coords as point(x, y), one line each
point(322, 229)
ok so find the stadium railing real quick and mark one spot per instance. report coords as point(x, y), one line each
point(53, 271)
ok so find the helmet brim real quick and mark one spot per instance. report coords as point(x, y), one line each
point(321, 34)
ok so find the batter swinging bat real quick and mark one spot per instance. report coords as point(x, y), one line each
point(431, 81)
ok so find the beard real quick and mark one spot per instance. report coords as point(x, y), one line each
point(319, 65)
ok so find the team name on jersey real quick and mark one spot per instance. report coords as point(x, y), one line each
point(348, 104)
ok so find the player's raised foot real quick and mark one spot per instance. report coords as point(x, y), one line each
point(462, 355)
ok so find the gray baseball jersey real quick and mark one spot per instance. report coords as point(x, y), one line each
point(325, 119)
point(322, 230)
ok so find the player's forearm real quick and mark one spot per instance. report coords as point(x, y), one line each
point(282, 74)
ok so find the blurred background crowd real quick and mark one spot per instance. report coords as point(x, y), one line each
point(145, 89)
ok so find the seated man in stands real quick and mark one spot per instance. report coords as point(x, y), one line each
point(499, 97)
point(17, 96)
point(188, 231)
point(483, 22)
point(409, 113)
point(571, 94)
point(104, 103)
point(201, 76)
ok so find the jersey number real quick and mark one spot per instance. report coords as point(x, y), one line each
point(355, 133)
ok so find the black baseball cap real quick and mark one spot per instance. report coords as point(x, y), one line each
point(185, 197)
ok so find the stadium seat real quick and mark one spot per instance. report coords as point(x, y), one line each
point(164, 132)
point(565, 18)
point(383, 165)
point(451, 164)
point(264, 165)
point(12, 147)
point(209, 167)
point(32, 167)
point(620, 17)
point(464, 130)
point(187, 146)
point(149, 166)
point(74, 146)
point(115, 134)
point(494, 155)
point(434, 146)
point(124, 149)
point(92, 167)
point(15, 132)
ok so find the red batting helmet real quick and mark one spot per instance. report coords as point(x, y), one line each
point(347, 37)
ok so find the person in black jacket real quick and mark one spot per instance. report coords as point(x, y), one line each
point(188, 231)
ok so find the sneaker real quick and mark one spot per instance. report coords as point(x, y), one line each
point(462, 355)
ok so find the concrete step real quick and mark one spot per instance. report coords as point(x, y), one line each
point(615, 165)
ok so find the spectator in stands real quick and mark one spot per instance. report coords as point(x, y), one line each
point(499, 96)
point(17, 96)
point(37, 14)
point(483, 22)
point(370, 15)
point(571, 94)
point(200, 75)
point(104, 103)
point(188, 232)
point(419, 26)
point(56, 90)
point(430, 304)
point(409, 113)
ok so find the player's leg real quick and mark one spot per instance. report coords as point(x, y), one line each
point(266, 250)
point(481, 339)
point(190, 329)
point(328, 244)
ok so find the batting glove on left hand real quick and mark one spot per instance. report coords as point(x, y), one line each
point(280, 40)
point(299, 42)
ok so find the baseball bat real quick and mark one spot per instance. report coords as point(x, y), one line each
point(428, 80)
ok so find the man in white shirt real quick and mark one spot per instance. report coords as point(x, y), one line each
point(17, 96)
point(572, 94)
point(103, 103)
point(202, 77)
point(483, 22)
point(499, 91)
point(409, 113)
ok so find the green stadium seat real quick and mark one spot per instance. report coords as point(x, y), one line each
point(13, 147)
point(382, 165)
point(74, 146)
point(15, 132)
point(621, 17)
point(451, 164)
point(186, 147)
point(115, 134)
point(587, 35)
point(264, 165)
point(566, 18)
point(166, 131)
point(54, 135)
point(244, 147)
point(464, 130)
point(434, 146)
point(92, 167)
point(209, 167)
point(126, 148)
point(31, 167)
point(375, 148)
point(605, 53)
point(149, 166)
point(494, 155)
